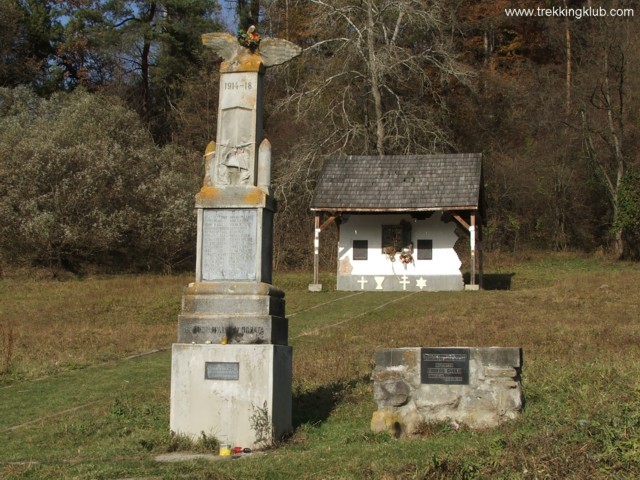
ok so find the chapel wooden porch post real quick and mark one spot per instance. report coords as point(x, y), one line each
point(476, 245)
point(317, 228)
point(471, 228)
point(472, 245)
point(316, 247)
point(480, 255)
point(316, 286)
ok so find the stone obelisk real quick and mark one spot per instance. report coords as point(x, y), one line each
point(231, 366)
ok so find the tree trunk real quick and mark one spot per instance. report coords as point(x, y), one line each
point(616, 132)
point(613, 135)
point(375, 84)
point(567, 35)
point(145, 108)
point(248, 13)
point(255, 11)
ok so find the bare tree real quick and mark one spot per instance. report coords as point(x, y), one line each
point(606, 116)
point(372, 81)
point(380, 75)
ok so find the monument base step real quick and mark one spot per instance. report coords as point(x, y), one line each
point(245, 329)
point(233, 288)
point(232, 304)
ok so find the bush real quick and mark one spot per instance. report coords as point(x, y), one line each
point(628, 221)
point(82, 182)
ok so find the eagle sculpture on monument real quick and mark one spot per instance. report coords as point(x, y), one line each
point(234, 51)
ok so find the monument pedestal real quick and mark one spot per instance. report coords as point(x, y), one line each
point(231, 368)
point(235, 393)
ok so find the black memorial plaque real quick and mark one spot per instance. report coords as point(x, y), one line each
point(221, 371)
point(444, 366)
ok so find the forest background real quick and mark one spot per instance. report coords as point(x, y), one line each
point(106, 107)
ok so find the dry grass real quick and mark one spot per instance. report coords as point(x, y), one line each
point(58, 325)
point(580, 317)
point(7, 343)
point(573, 308)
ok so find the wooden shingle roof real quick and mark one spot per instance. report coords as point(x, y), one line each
point(400, 183)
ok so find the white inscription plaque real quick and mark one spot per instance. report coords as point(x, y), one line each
point(229, 244)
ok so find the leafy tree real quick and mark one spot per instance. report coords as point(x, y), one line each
point(141, 50)
point(28, 29)
point(81, 181)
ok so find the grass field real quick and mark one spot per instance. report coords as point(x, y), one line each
point(78, 401)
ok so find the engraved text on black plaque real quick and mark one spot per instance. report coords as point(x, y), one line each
point(444, 366)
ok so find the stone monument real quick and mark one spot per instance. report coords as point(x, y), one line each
point(231, 367)
point(479, 387)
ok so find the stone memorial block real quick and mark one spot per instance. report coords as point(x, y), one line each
point(216, 390)
point(478, 387)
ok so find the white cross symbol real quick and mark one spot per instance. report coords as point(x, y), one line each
point(362, 281)
point(404, 282)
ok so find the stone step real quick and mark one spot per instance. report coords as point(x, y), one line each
point(233, 304)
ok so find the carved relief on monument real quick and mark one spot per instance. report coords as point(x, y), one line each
point(234, 165)
point(209, 160)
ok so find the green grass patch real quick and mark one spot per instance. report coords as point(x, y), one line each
point(72, 408)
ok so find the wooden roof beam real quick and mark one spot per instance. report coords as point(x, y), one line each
point(328, 222)
point(461, 221)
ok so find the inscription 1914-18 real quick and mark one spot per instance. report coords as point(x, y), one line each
point(238, 85)
point(444, 366)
